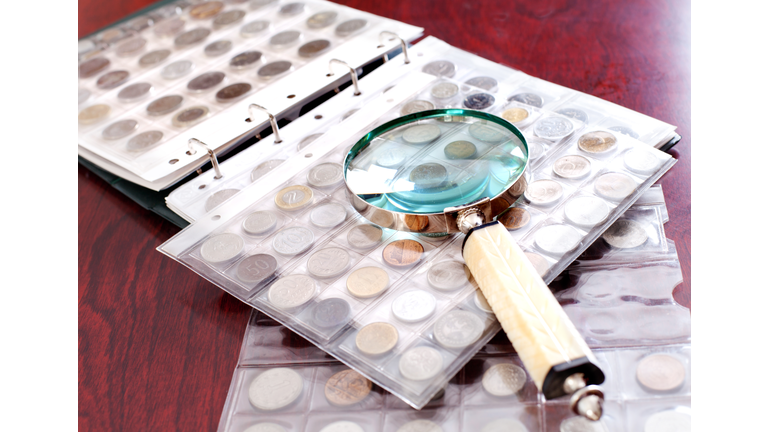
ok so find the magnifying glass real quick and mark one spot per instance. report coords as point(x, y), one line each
point(445, 171)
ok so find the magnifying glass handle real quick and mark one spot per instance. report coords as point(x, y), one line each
point(552, 350)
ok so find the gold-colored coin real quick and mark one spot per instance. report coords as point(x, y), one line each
point(416, 223)
point(293, 197)
point(367, 282)
point(597, 142)
point(402, 253)
point(514, 115)
point(376, 338)
point(460, 150)
point(93, 113)
point(206, 10)
point(347, 388)
point(515, 218)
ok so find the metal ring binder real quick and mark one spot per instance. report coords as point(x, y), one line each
point(352, 73)
point(402, 43)
point(211, 154)
point(272, 120)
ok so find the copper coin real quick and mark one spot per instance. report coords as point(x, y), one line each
point(228, 18)
point(232, 92)
point(191, 37)
point(597, 142)
point(515, 218)
point(660, 372)
point(403, 253)
point(205, 81)
point(206, 10)
point(314, 48)
point(164, 105)
point(416, 223)
point(347, 388)
point(112, 79)
point(93, 66)
point(93, 113)
point(245, 59)
point(190, 116)
point(154, 57)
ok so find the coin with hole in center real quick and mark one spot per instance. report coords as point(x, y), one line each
point(544, 192)
point(271, 70)
point(322, 19)
point(660, 373)
point(376, 338)
point(347, 388)
point(253, 28)
point(597, 142)
point(586, 211)
point(221, 248)
point(330, 312)
point(557, 239)
point(367, 282)
point(625, 234)
point(515, 218)
point(483, 82)
point(458, 329)
point(531, 99)
point(314, 48)
point(572, 167)
point(416, 106)
point(448, 275)
point(177, 69)
point(444, 90)
point(328, 215)
point(291, 291)
point(144, 141)
point(364, 236)
point(421, 134)
point(421, 363)
point(403, 253)
point(232, 92)
point(190, 116)
point(264, 167)
point(293, 240)
point(414, 306)
point(325, 175)
point(164, 105)
point(191, 37)
point(93, 66)
point(504, 379)
point(256, 268)
point(350, 27)
point(275, 388)
point(328, 263)
point(93, 114)
point(119, 129)
point(614, 186)
point(440, 68)
point(112, 79)
point(294, 197)
point(420, 425)
point(219, 197)
point(460, 150)
point(134, 92)
point(479, 101)
point(259, 222)
point(206, 10)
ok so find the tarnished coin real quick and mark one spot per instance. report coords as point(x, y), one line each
point(342, 426)
point(458, 329)
point(307, 140)
point(245, 60)
point(531, 99)
point(539, 263)
point(292, 291)
point(275, 388)
point(625, 234)
point(325, 175)
point(641, 161)
point(153, 58)
point(479, 101)
point(544, 192)
point(291, 9)
point(668, 421)
point(483, 82)
point(625, 131)
point(265, 427)
point(574, 113)
point(486, 132)
point(294, 197)
point(420, 426)
point(112, 79)
point(330, 312)
point(572, 167)
point(481, 302)
point(557, 239)
point(131, 47)
point(376, 338)
point(164, 105)
point(169, 27)
point(134, 92)
point(215, 49)
point(314, 48)
point(264, 167)
point(416, 106)
point(347, 388)
point(515, 218)
point(448, 275)
point(504, 425)
point(93, 66)
point(614, 186)
point(421, 363)
point(206, 10)
point(144, 140)
point(586, 211)
point(460, 150)
point(253, 28)
point(660, 373)
point(329, 262)
point(190, 116)
point(350, 27)
point(177, 69)
point(232, 92)
point(83, 95)
point(504, 379)
point(271, 70)
point(191, 37)
point(364, 236)
point(293, 240)
point(428, 175)
point(390, 157)
point(256, 268)
point(258, 4)
point(414, 306)
point(285, 38)
point(228, 18)
point(93, 114)
point(582, 424)
point(403, 253)
point(515, 115)
point(421, 134)
point(259, 222)
point(219, 197)
point(597, 142)
point(119, 129)
point(322, 19)
point(553, 127)
point(440, 68)
point(367, 282)
point(444, 90)
point(328, 215)
point(221, 248)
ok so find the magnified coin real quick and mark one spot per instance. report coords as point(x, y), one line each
point(83, 95)
point(307, 140)
point(572, 167)
point(504, 379)
point(215, 49)
point(321, 19)
point(221, 248)
point(164, 105)
point(232, 92)
point(668, 421)
point(285, 38)
point(614, 186)
point(131, 47)
point(553, 127)
point(586, 211)
point(265, 427)
point(364, 236)
point(153, 58)
point(448, 275)
point(641, 161)
point(292, 291)
point(481, 302)
point(421, 134)
point(219, 197)
point(245, 60)
point(264, 167)
point(420, 426)
point(314, 48)
point(293, 197)
point(93, 66)
point(414, 306)
point(458, 329)
point(119, 129)
point(350, 27)
point(515, 115)
point(421, 363)
point(483, 82)
point(191, 37)
point(253, 28)
point(482, 131)
point(93, 114)
point(403, 253)
point(134, 92)
point(275, 388)
point(531, 99)
point(539, 263)
point(444, 90)
point(169, 27)
point(347, 388)
point(228, 18)
point(440, 68)
point(330, 312)
point(390, 157)
point(376, 338)
point(416, 106)
point(597, 142)
point(256, 268)
point(625, 234)
point(328, 215)
point(144, 140)
point(112, 79)
point(479, 101)
point(206, 10)
point(342, 426)
point(367, 282)
point(293, 240)
point(460, 150)
point(329, 262)
point(325, 175)
point(271, 70)
point(625, 131)
point(260, 222)
point(515, 218)
point(544, 192)
point(557, 239)
point(660, 373)
point(428, 175)
point(574, 113)
point(177, 69)
point(258, 4)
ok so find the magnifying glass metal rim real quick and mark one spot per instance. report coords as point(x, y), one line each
point(452, 219)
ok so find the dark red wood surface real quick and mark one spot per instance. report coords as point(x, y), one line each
point(158, 344)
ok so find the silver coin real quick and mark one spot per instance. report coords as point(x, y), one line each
point(421, 134)
point(553, 127)
point(328, 215)
point(215, 49)
point(308, 140)
point(440, 68)
point(481, 302)
point(535, 149)
point(350, 27)
point(93, 66)
point(420, 426)
point(328, 262)
point(292, 241)
point(119, 129)
point(421, 363)
point(582, 424)
point(314, 48)
point(614, 186)
point(232, 92)
point(557, 239)
point(414, 306)
point(190, 116)
point(191, 37)
point(265, 427)
point(245, 60)
point(641, 161)
point(668, 421)
point(572, 167)
point(292, 291)
point(205, 81)
point(271, 70)
point(390, 157)
point(325, 175)
point(258, 4)
point(228, 18)
point(504, 379)
point(416, 106)
point(291, 9)
point(112, 79)
point(83, 95)
point(169, 27)
point(625, 234)
point(625, 131)
point(263, 168)
point(486, 132)
point(219, 197)
point(544, 192)
point(531, 99)
point(479, 101)
point(164, 105)
point(458, 329)
point(275, 388)
point(259, 222)
point(444, 90)
point(364, 236)
point(322, 19)
point(140, 23)
point(144, 140)
point(285, 38)
point(342, 426)
point(586, 211)
point(177, 69)
point(253, 28)
point(574, 113)
point(330, 312)
point(153, 58)
point(221, 248)
point(448, 275)
point(483, 82)
point(134, 92)
point(256, 268)
point(131, 47)
point(504, 425)
point(428, 175)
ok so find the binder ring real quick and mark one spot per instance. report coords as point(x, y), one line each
point(402, 43)
point(272, 120)
point(211, 154)
point(352, 73)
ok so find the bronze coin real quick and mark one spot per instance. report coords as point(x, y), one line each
point(515, 218)
point(164, 105)
point(314, 48)
point(93, 66)
point(347, 388)
point(416, 223)
point(205, 81)
point(93, 114)
point(112, 79)
point(597, 142)
point(232, 92)
point(206, 10)
point(403, 253)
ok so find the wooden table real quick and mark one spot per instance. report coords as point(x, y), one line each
point(158, 344)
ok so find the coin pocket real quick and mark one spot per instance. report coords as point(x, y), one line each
point(655, 372)
point(265, 390)
point(498, 381)
point(418, 365)
point(339, 388)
